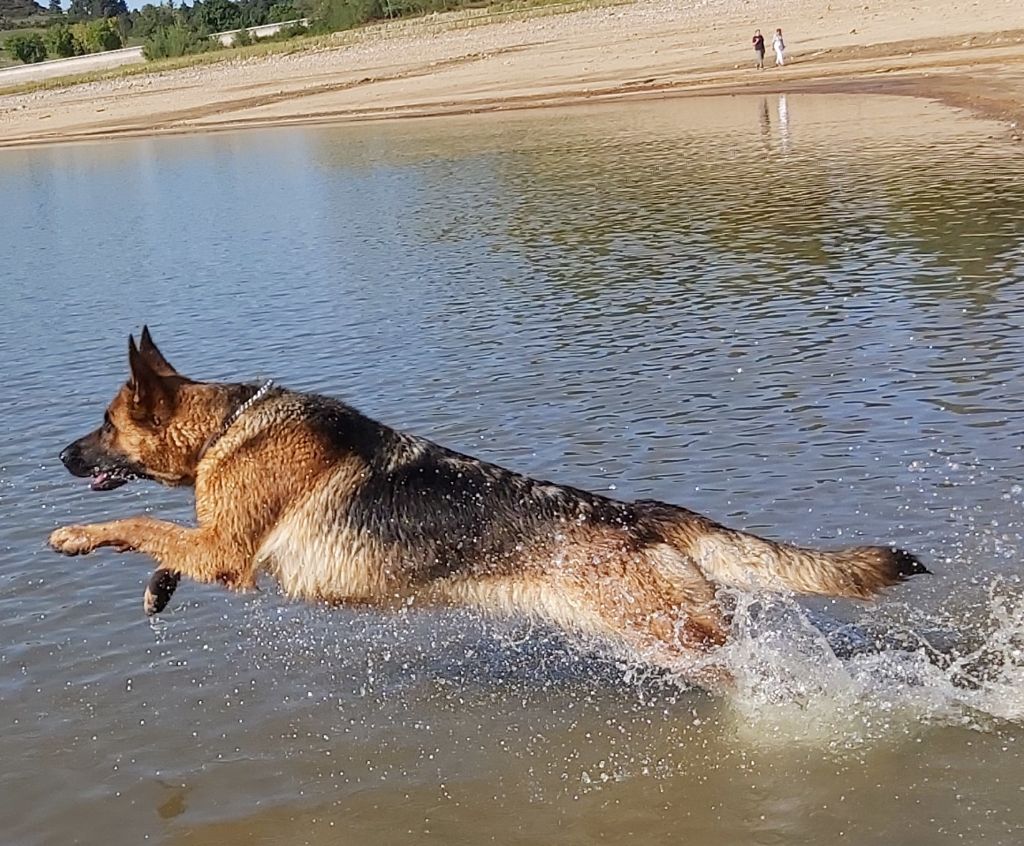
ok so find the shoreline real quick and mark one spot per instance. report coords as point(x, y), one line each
point(648, 49)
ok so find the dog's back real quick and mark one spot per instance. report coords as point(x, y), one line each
point(446, 515)
point(423, 513)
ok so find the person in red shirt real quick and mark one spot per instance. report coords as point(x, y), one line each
point(758, 40)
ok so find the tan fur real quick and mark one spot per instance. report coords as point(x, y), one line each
point(737, 559)
point(278, 492)
point(335, 565)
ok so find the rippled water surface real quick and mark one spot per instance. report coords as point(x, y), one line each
point(800, 315)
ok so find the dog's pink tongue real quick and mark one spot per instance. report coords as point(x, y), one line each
point(99, 481)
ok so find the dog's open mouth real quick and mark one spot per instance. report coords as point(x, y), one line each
point(107, 480)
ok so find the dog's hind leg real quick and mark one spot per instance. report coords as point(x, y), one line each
point(673, 624)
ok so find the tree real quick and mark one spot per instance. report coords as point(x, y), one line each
point(217, 15)
point(55, 8)
point(150, 18)
point(92, 9)
point(282, 12)
point(27, 48)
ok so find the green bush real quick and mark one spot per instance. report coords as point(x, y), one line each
point(334, 15)
point(61, 42)
point(176, 40)
point(26, 48)
point(80, 35)
point(108, 34)
point(345, 14)
point(99, 36)
point(293, 31)
point(242, 38)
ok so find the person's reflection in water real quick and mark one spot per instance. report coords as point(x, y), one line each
point(766, 125)
point(784, 123)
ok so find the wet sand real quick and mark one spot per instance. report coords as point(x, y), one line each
point(967, 54)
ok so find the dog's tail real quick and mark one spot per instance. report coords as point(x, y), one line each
point(737, 559)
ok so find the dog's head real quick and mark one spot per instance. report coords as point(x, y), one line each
point(155, 428)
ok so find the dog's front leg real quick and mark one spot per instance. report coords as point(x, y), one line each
point(202, 554)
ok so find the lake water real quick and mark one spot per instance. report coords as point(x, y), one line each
point(801, 315)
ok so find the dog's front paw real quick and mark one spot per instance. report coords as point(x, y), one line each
point(73, 540)
point(161, 587)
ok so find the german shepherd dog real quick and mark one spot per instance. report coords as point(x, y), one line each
point(340, 508)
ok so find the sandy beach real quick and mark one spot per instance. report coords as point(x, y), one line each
point(967, 54)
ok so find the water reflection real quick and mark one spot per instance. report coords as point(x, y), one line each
point(766, 126)
point(846, 208)
point(784, 123)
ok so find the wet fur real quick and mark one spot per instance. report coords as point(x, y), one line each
point(340, 508)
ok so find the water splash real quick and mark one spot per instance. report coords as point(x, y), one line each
point(804, 680)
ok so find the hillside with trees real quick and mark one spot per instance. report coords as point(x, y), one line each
point(13, 10)
point(175, 28)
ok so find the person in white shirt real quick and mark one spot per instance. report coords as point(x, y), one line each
point(780, 47)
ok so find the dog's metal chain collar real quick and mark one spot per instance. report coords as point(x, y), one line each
point(261, 392)
point(236, 415)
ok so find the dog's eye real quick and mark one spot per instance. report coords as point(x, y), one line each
point(108, 424)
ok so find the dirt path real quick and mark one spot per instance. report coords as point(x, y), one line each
point(970, 54)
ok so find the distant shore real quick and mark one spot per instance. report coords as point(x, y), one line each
point(969, 55)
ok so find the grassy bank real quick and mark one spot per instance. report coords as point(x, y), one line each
point(441, 22)
point(227, 54)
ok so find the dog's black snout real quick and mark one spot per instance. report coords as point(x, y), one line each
point(71, 457)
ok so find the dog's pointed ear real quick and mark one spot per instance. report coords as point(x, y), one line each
point(150, 393)
point(153, 355)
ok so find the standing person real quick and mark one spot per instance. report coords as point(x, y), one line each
point(780, 47)
point(758, 40)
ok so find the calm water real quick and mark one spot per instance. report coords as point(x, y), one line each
point(803, 317)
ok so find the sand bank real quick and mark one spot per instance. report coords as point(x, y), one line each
point(969, 54)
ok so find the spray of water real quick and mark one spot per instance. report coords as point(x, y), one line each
point(801, 680)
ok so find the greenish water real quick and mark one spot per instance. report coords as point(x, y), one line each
point(799, 315)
